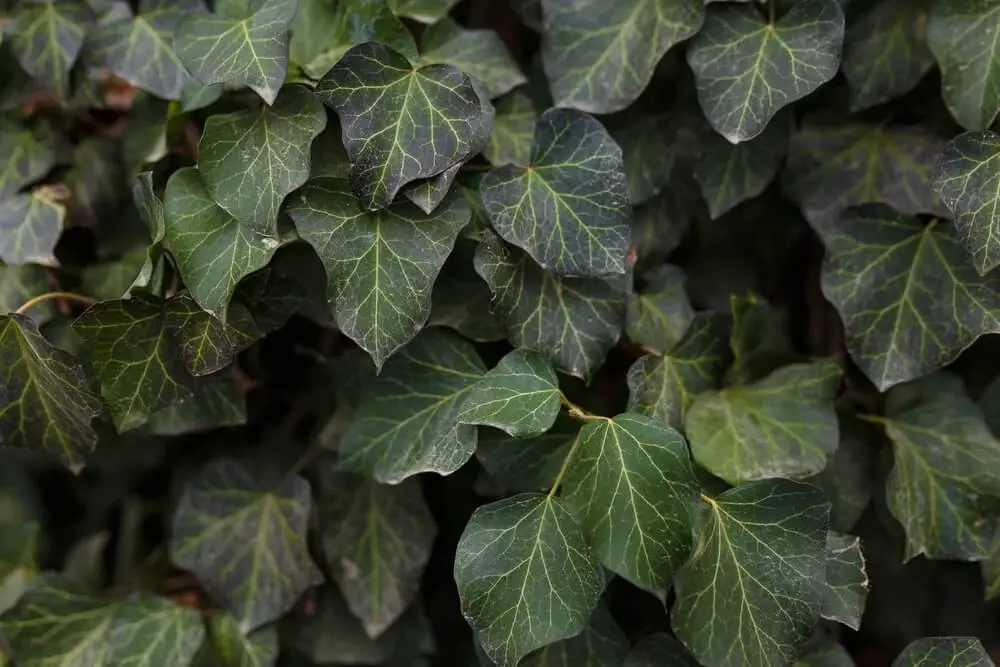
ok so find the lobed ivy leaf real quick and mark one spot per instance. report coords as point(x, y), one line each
point(216, 403)
point(759, 553)
point(941, 488)
point(846, 580)
point(425, 11)
point(747, 69)
point(207, 344)
point(251, 160)
point(479, 53)
point(525, 576)
point(251, 49)
point(407, 422)
point(46, 397)
point(47, 38)
point(18, 284)
point(244, 538)
point(661, 313)
point(629, 482)
point(377, 540)
point(886, 52)
point(944, 652)
point(657, 650)
point(599, 56)
point(572, 321)
point(30, 226)
point(380, 265)
point(27, 153)
point(526, 464)
point(908, 294)
point(227, 646)
point(569, 209)
point(513, 130)
point(400, 123)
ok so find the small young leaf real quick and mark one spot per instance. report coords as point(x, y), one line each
point(425, 11)
point(525, 576)
point(659, 316)
point(759, 556)
point(30, 227)
point(658, 650)
point(513, 130)
point(569, 210)
point(245, 540)
point(480, 53)
point(206, 343)
point(526, 464)
point(27, 153)
point(520, 396)
point(944, 652)
point(846, 580)
point(47, 38)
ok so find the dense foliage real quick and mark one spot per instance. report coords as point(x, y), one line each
point(620, 333)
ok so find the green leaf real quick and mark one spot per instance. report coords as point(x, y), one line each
point(944, 652)
point(228, 647)
point(650, 147)
point(759, 553)
point(525, 576)
point(526, 464)
point(47, 38)
point(28, 153)
point(18, 284)
point(663, 387)
point(942, 488)
point(18, 564)
point(885, 52)
point(114, 279)
point(430, 192)
point(846, 580)
point(214, 251)
point(251, 160)
point(991, 572)
point(461, 300)
point(216, 403)
point(728, 174)
point(425, 11)
point(520, 396)
point(569, 210)
point(967, 178)
point(154, 217)
point(244, 538)
point(30, 227)
point(140, 49)
point(629, 481)
point(251, 50)
point(907, 292)
point(847, 478)
point(513, 130)
point(480, 53)
point(600, 56)
point(658, 650)
point(149, 631)
point(206, 343)
point(407, 422)
point(380, 265)
point(48, 403)
point(748, 69)
point(759, 343)
point(377, 540)
point(831, 168)
point(661, 313)
point(572, 321)
point(401, 124)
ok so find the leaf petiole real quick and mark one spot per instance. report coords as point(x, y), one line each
point(576, 412)
point(69, 296)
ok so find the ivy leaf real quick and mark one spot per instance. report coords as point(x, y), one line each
point(480, 53)
point(525, 575)
point(759, 553)
point(967, 178)
point(27, 153)
point(847, 477)
point(569, 210)
point(513, 130)
point(662, 387)
point(18, 560)
point(377, 540)
point(600, 56)
point(231, 648)
point(782, 426)
point(244, 538)
point(114, 279)
point(216, 403)
point(661, 313)
point(425, 11)
point(400, 124)
point(657, 650)
point(747, 69)
point(629, 482)
point(461, 300)
point(214, 251)
point(526, 464)
point(138, 365)
point(251, 160)
point(407, 422)
point(886, 53)
point(831, 168)
point(650, 146)
point(154, 217)
point(944, 652)
point(888, 275)
point(18, 284)
point(250, 50)
point(846, 580)
point(942, 488)
point(47, 400)
point(380, 265)
point(151, 630)
point(574, 322)
point(47, 38)
point(206, 343)
point(520, 396)
point(30, 227)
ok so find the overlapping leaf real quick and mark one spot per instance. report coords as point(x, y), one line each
point(513, 130)
point(461, 300)
point(227, 646)
point(480, 53)
point(572, 321)
point(18, 284)
point(599, 56)
point(846, 580)
point(747, 69)
point(206, 343)
point(759, 553)
point(216, 403)
point(525, 576)
point(660, 314)
point(245, 540)
point(407, 422)
point(944, 652)
point(27, 153)
point(30, 226)
point(47, 38)
point(569, 210)
point(907, 292)
point(526, 464)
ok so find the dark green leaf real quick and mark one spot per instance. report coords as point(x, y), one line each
point(461, 300)
point(226, 646)
point(401, 124)
point(18, 284)
point(480, 53)
point(151, 211)
point(847, 478)
point(30, 226)
point(659, 650)
point(114, 279)
point(425, 11)
point(407, 422)
point(757, 339)
point(846, 580)
point(569, 210)
point(47, 38)
point(430, 192)
point(759, 555)
point(27, 153)
point(944, 652)
point(245, 540)
point(525, 576)
point(748, 69)
point(574, 322)
point(216, 403)
point(661, 313)
point(206, 343)
point(907, 292)
point(526, 464)
point(599, 56)
point(148, 631)
point(513, 130)
point(650, 148)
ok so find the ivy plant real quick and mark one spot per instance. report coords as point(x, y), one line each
point(499, 333)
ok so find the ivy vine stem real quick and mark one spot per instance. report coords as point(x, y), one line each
point(576, 412)
point(562, 468)
point(69, 296)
